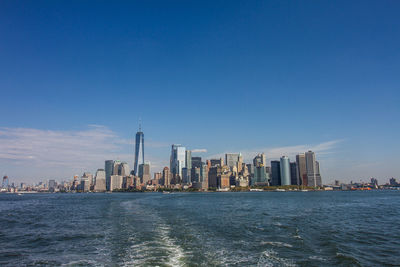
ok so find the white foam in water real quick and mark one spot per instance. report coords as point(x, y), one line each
point(141, 253)
point(276, 244)
point(269, 258)
point(318, 258)
point(176, 252)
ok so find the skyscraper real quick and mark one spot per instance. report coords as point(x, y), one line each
point(116, 182)
point(285, 171)
point(196, 162)
point(313, 176)
point(123, 169)
point(116, 167)
point(231, 160)
point(275, 172)
point(187, 170)
point(85, 183)
point(201, 177)
point(261, 177)
point(109, 167)
point(144, 173)
point(139, 146)
point(188, 157)
point(178, 159)
point(166, 177)
point(216, 162)
point(301, 168)
point(260, 160)
point(239, 163)
point(318, 174)
point(100, 181)
point(5, 182)
point(294, 174)
point(52, 185)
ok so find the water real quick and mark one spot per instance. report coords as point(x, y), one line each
point(201, 229)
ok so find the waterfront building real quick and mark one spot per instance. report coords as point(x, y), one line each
point(275, 173)
point(90, 177)
point(242, 181)
point(100, 181)
point(109, 166)
point(186, 176)
point(313, 175)
point(86, 181)
point(75, 183)
point(219, 177)
point(201, 177)
point(116, 167)
point(188, 159)
point(212, 176)
point(195, 174)
point(5, 182)
point(123, 169)
point(250, 169)
point(144, 173)
point(294, 174)
point(136, 182)
point(268, 170)
point(301, 168)
point(177, 159)
point(52, 185)
point(318, 174)
point(261, 177)
point(116, 182)
point(224, 180)
point(166, 177)
point(285, 170)
point(127, 181)
point(158, 177)
point(245, 171)
point(231, 160)
point(260, 160)
point(139, 147)
point(239, 164)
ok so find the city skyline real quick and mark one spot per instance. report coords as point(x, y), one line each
point(324, 150)
point(249, 77)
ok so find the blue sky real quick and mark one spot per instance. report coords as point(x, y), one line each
point(225, 76)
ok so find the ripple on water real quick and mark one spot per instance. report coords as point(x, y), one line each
point(270, 258)
point(276, 244)
point(232, 229)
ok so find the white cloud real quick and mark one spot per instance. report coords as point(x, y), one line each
point(47, 148)
point(290, 151)
point(199, 150)
point(30, 154)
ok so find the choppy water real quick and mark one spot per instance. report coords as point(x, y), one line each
point(201, 229)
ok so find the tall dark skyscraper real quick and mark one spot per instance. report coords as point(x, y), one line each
point(275, 172)
point(294, 174)
point(139, 142)
point(109, 168)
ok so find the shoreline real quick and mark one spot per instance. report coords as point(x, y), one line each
point(189, 191)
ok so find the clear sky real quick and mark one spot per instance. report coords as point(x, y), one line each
point(279, 77)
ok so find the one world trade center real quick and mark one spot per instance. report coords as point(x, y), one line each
point(139, 142)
